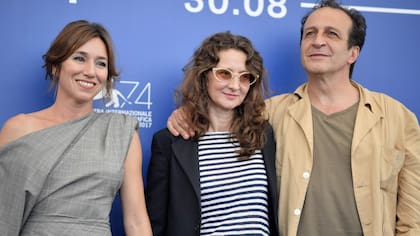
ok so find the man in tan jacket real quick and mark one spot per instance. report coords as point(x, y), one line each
point(348, 159)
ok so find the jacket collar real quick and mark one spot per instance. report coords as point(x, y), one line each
point(368, 114)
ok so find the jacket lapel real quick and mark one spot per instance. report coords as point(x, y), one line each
point(368, 115)
point(186, 153)
point(299, 113)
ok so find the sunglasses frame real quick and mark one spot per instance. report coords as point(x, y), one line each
point(233, 75)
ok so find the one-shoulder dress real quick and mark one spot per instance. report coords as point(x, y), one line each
point(62, 180)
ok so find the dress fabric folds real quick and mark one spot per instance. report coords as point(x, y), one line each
point(62, 180)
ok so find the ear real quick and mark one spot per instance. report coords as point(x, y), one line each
point(54, 71)
point(354, 54)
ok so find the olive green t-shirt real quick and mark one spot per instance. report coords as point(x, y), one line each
point(330, 207)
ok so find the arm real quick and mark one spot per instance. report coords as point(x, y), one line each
point(408, 206)
point(20, 184)
point(11, 202)
point(136, 220)
point(178, 124)
point(157, 190)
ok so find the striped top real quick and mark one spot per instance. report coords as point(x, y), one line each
point(233, 192)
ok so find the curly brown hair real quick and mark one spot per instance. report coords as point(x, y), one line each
point(249, 121)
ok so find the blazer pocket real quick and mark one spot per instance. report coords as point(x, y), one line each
point(391, 163)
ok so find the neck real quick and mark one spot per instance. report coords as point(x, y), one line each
point(220, 121)
point(63, 112)
point(331, 95)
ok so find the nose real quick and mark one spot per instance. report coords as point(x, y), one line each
point(318, 41)
point(89, 69)
point(235, 82)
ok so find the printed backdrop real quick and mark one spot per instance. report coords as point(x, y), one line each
point(155, 39)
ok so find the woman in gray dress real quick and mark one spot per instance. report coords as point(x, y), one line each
point(61, 167)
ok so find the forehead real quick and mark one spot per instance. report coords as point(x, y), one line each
point(232, 56)
point(328, 17)
point(94, 46)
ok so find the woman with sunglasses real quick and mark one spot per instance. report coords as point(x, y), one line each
point(222, 181)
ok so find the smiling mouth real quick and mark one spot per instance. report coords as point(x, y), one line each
point(86, 84)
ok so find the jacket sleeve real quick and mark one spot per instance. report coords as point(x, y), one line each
point(269, 152)
point(157, 188)
point(408, 206)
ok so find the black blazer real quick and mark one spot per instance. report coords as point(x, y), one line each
point(173, 188)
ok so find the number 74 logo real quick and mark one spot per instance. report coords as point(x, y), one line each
point(143, 98)
point(119, 100)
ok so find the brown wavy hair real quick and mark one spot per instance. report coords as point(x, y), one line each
point(249, 121)
point(72, 37)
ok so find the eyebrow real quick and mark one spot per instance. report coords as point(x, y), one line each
point(228, 68)
point(86, 54)
point(318, 28)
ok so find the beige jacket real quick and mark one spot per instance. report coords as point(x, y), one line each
point(385, 162)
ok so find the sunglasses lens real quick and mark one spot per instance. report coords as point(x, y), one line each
point(223, 74)
point(247, 78)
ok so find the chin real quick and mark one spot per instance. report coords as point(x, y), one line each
point(315, 69)
point(233, 107)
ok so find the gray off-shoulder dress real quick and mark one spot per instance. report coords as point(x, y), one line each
point(62, 180)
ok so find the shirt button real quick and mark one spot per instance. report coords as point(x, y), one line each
point(306, 175)
point(296, 212)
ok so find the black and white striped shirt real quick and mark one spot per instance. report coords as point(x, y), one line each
point(233, 192)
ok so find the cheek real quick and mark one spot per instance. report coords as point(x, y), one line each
point(244, 92)
point(212, 92)
point(64, 74)
point(213, 85)
point(103, 75)
point(303, 46)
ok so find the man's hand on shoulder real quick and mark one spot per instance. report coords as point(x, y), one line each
point(178, 124)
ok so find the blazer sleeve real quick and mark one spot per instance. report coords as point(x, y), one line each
point(269, 152)
point(157, 187)
point(408, 207)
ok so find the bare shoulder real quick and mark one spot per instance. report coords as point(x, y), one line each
point(14, 128)
point(21, 125)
